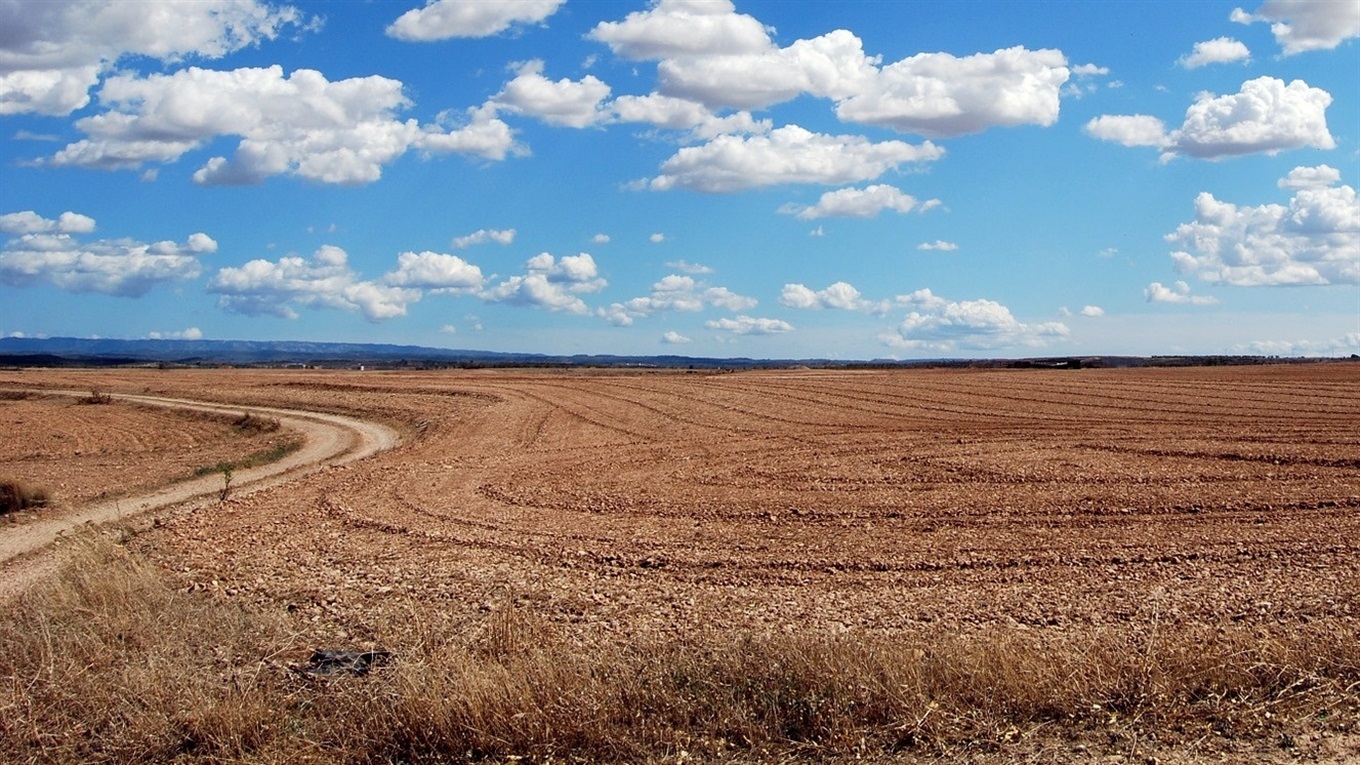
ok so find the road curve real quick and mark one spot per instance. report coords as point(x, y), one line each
point(328, 439)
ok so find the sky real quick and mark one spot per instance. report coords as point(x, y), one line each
point(859, 179)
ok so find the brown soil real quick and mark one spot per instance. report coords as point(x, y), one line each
point(907, 503)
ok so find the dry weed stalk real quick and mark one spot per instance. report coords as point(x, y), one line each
point(111, 662)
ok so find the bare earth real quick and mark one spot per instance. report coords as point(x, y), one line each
point(912, 503)
point(141, 443)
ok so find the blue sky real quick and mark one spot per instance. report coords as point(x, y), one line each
point(849, 180)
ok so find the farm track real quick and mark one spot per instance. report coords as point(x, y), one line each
point(618, 504)
point(327, 439)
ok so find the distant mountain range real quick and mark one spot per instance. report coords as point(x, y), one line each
point(72, 351)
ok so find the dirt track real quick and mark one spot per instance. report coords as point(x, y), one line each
point(326, 439)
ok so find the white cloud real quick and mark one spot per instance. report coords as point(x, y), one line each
point(1090, 70)
point(683, 114)
point(683, 28)
point(192, 333)
point(1220, 50)
point(1318, 177)
point(484, 235)
point(675, 293)
point(750, 325)
point(600, 239)
point(840, 295)
point(564, 102)
point(480, 133)
point(937, 324)
point(938, 245)
point(46, 251)
point(1128, 129)
point(1178, 293)
point(324, 281)
point(1092, 311)
point(1347, 343)
point(333, 132)
point(674, 338)
point(1265, 116)
point(29, 222)
point(657, 238)
point(550, 283)
point(1304, 25)
point(53, 53)
point(437, 272)
point(940, 95)
point(445, 19)
point(1315, 239)
point(686, 267)
point(448, 329)
point(788, 154)
point(859, 203)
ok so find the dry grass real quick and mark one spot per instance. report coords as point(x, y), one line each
point(110, 662)
point(18, 495)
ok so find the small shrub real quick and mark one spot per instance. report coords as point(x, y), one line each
point(250, 424)
point(96, 397)
point(17, 495)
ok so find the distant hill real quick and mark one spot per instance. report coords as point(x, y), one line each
point(72, 351)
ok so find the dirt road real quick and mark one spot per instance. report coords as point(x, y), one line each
point(328, 439)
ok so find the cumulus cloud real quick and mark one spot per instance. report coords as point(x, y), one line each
point(937, 245)
point(685, 267)
point(788, 154)
point(1092, 311)
point(1265, 116)
point(29, 222)
point(675, 338)
point(484, 235)
point(1301, 25)
point(191, 333)
point(52, 54)
point(1347, 343)
point(684, 114)
point(437, 272)
point(600, 238)
point(712, 55)
point(551, 283)
point(1318, 177)
point(750, 325)
point(1314, 239)
point(325, 280)
point(1220, 50)
point(859, 203)
point(47, 251)
point(341, 132)
point(656, 238)
point(570, 103)
point(445, 19)
point(937, 324)
point(675, 293)
point(840, 295)
point(939, 95)
point(683, 28)
point(1178, 293)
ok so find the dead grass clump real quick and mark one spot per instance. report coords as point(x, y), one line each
point(16, 495)
point(253, 424)
point(16, 395)
point(107, 663)
point(110, 663)
point(97, 397)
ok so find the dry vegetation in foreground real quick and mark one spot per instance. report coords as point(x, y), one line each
point(113, 662)
point(16, 495)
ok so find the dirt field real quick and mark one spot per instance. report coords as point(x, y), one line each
point(628, 505)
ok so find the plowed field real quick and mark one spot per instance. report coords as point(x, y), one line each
point(791, 501)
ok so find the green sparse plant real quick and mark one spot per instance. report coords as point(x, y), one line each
point(225, 492)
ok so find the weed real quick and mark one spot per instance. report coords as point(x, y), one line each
point(272, 454)
point(97, 397)
point(251, 424)
point(225, 491)
point(18, 495)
